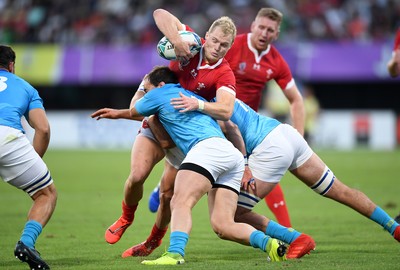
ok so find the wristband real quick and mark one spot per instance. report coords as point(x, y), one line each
point(246, 161)
point(201, 105)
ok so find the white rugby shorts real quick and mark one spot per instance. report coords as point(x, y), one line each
point(283, 149)
point(20, 165)
point(223, 162)
point(173, 156)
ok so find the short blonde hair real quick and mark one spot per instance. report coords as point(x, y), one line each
point(272, 14)
point(227, 26)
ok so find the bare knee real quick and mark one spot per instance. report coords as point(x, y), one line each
point(220, 227)
point(49, 194)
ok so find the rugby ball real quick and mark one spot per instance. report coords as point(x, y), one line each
point(166, 50)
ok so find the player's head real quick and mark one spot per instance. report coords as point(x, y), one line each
point(219, 39)
point(265, 28)
point(7, 58)
point(159, 76)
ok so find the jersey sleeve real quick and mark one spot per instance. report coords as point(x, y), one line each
point(226, 80)
point(284, 76)
point(397, 40)
point(147, 105)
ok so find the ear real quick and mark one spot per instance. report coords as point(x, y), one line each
point(207, 35)
point(252, 26)
point(161, 84)
point(11, 67)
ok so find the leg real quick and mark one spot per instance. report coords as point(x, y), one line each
point(222, 205)
point(145, 154)
point(163, 216)
point(277, 204)
point(316, 175)
point(190, 186)
point(300, 243)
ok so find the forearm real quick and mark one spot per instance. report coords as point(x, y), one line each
point(298, 115)
point(232, 133)
point(217, 110)
point(393, 68)
point(168, 24)
point(41, 142)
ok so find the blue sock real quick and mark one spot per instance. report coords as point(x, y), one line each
point(259, 240)
point(382, 218)
point(287, 235)
point(30, 233)
point(177, 242)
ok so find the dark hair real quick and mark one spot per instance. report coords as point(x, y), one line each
point(7, 55)
point(162, 74)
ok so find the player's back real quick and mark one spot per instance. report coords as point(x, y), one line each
point(17, 97)
point(253, 126)
point(186, 129)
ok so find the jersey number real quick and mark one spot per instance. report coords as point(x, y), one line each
point(3, 85)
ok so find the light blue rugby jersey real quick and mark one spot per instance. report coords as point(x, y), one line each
point(186, 129)
point(17, 98)
point(253, 126)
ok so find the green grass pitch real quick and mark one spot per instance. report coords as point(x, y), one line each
point(90, 187)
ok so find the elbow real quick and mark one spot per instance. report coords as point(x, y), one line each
point(44, 132)
point(227, 115)
point(157, 13)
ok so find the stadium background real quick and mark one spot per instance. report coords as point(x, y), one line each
point(84, 55)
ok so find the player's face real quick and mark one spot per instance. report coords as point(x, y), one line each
point(147, 86)
point(217, 45)
point(264, 32)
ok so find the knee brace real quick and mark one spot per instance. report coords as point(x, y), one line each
point(247, 200)
point(325, 183)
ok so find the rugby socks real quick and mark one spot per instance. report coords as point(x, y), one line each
point(287, 235)
point(30, 233)
point(277, 204)
point(382, 218)
point(128, 212)
point(259, 240)
point(156, 234)
point(177, 242)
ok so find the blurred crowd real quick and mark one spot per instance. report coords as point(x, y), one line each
point(131, 21)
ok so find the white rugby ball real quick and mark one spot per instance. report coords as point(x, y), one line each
point(166, 50)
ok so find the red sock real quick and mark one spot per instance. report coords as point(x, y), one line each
point(128, 212)
point(276, 203)
point(156, 234)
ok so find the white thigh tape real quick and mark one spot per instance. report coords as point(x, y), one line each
point(247, 200)
point(325, 183)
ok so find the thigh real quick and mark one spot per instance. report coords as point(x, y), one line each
point(168, 178)
point(17, 156)
point(311, 171)
point(190, 186)
point(222, 204)
point(144, 155)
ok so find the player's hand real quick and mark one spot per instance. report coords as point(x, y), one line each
point(248, 180)
point(105, 113)
point(185, 103)
point(182, 50)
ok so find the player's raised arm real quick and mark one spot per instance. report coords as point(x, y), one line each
point(170, 26)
